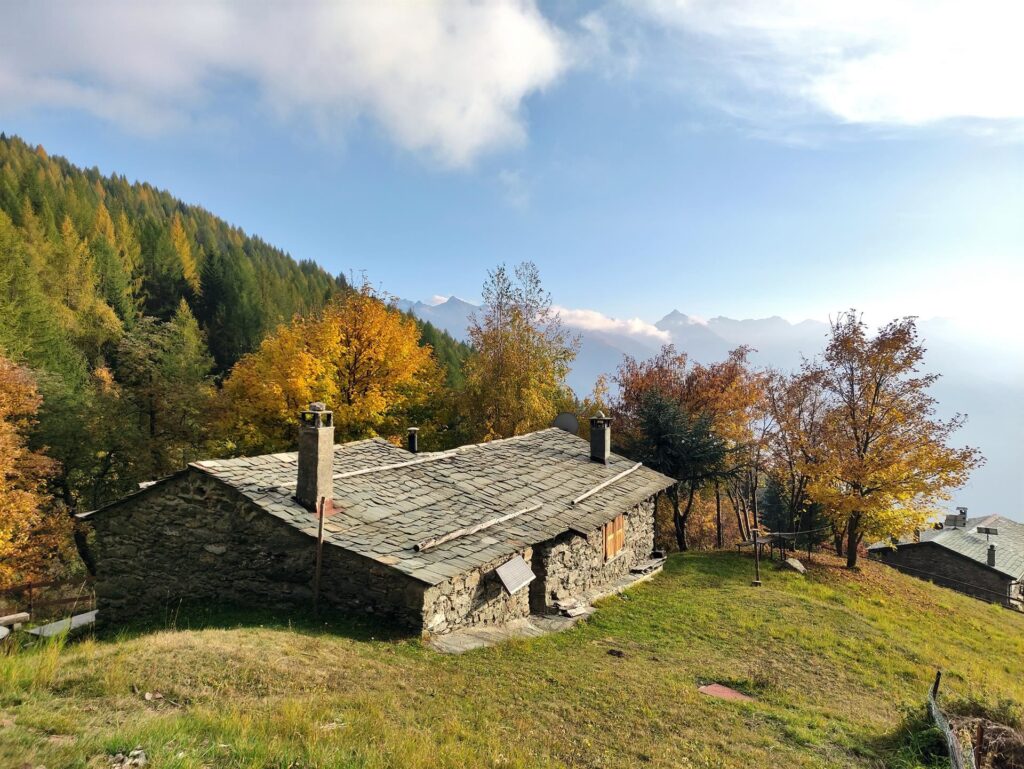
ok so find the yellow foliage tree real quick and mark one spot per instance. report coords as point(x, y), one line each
point(883, 463)
point(359, 355)
point(183, 248)
point(23, 474)
point(515, 382)
point(79, 306)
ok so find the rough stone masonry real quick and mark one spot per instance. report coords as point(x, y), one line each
point(414, 539)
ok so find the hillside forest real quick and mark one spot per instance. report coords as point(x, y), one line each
point(138, 334)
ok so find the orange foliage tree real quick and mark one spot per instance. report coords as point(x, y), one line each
point(729, 394)
point(359, 355)
point(27, 533)
point(884, 461)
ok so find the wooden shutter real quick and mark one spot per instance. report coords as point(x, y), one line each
point(614, 536)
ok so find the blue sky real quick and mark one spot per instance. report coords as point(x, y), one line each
point(715, 157)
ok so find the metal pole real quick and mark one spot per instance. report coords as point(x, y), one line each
point(319, 553)
point(757, 562)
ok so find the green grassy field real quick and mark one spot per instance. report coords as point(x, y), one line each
point(834, 659)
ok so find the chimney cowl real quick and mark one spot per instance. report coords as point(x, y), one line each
point(600, 438)
point(315, 479)
point(414, 440)
point(991, 555)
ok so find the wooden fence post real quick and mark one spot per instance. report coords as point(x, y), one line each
point(935, 686)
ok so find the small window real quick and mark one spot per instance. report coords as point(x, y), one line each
point(614, 537)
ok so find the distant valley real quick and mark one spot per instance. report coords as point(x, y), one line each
point(977, 381)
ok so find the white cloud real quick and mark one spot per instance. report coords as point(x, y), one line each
point(445, 78)
point(884, 62)
point(436, 299)
point(592, 320)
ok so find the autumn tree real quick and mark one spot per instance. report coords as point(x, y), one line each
point(359, 355)
point(726, 395)
point(182, 245)
point(26, 532)
point(796, 405)
point(680, 445)
point(884, 461)
point(80, 307)
point(515, 382)
point(731, 394)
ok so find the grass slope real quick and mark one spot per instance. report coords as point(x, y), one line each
point(833, 659)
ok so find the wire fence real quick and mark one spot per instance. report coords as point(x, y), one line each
point(960, 757)
point(49, 599)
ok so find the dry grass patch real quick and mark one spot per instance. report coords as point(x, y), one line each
point(832, 659)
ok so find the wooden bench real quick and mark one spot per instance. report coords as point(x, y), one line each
point(68, 625)
point(14, 620)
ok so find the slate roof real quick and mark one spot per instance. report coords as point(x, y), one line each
point(968, 542)
point(405, 499)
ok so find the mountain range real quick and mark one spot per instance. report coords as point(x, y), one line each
point(977, 380)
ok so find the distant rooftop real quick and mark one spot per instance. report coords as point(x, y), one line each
point(400, 508)
point(968, 542)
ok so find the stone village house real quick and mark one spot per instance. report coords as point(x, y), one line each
point(962, 556)
point(433, 542)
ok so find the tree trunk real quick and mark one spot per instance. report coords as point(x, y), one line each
point(79, 529)
point(744, 534)
point(677, 519)
point(718, 517)
point(683, 545)
point(837, 539)
point(853, 536)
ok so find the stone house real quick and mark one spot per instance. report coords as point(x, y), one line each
point(982, 557)
point(430, 541)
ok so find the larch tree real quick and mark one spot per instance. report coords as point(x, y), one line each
point(182, 245)
point(76, 293)
point(885, 460)
point(163, 373)
point(515, 381)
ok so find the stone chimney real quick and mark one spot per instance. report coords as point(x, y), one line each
point(600, 438)
point(991, 555)
point(316, 457)
point(414, 440)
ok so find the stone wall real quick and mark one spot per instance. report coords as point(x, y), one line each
point(477, 597)
point(573, 564)
point(193, 538)
point(354, 583)
point(953, 571)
